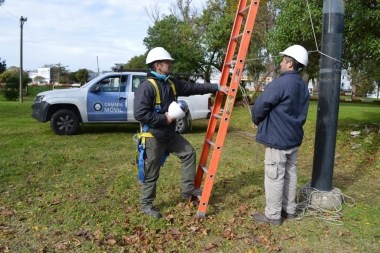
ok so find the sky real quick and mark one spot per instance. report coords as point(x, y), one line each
point(78, 34)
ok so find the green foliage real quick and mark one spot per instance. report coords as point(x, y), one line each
point(178, 39)
point(293, 26)
point(72, 77)
point(136, 63)
point(11, 89)
point(117, 67)
point(3, 65)
point(38, 78)
point(82, 75)
point(361, 37)
point(196, 42)
point(361, 30)
point(59, 73)
point(9, 72)
point(63, 79)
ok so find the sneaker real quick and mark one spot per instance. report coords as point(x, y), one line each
point(260, 217)
point(193, 192)
point(288, 216)
point(151, 211)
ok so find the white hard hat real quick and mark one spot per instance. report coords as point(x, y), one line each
point(297, 52)
point(175, 111)
point(158, 54)
point(183, 105)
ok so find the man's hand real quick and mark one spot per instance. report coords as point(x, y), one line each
point(224, 89)
point(254, 126)
point(170, 119)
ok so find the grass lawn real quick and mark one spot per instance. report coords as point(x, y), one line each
point(81, 193)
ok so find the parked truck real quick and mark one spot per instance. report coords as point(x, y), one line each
point(105, 99)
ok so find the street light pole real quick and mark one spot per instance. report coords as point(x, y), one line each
point(22, 21)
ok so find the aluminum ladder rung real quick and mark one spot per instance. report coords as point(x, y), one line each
point(204, 168)
point(243, 10)
point(217, 116)
point(230, 64)
point(237, 37)
point(210, 142)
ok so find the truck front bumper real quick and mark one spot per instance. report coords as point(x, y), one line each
point(39, 111)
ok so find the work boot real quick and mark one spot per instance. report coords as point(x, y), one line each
point(193, 192)
point(151, 211)
point(260, 217)
point(288, 216)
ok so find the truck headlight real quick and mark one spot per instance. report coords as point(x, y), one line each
point(38, 99)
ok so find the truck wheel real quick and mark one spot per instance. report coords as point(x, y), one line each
point(64, 122)
point(182, 125)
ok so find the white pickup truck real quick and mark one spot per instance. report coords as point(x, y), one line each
point(105, 99)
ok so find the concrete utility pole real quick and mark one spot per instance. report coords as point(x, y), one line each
point(22, 21)
point(328, 97)
point(97, 63)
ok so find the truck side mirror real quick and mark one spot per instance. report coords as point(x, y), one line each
point(95, 88)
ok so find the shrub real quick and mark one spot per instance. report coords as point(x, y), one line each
point(11, 89)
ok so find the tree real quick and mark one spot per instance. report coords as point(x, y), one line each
point(196, 41)
point(82, 76)
point(58, 72)
point(293, 26)
point(361, 35)
point(3, 65)
point(72, 77)
point(11, 89)
point(117, 67)
point(11, 71)
point(38, 79)
point(136, 63)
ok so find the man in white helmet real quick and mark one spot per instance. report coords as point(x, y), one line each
point(162, 127)
point(280, 113)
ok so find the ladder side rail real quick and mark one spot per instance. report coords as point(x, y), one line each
point(232, 43)
point(219, 96)
point(236, 78)
point(234, 85)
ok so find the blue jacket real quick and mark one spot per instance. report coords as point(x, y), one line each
point(281, 110)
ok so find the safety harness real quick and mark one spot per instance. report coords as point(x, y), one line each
point(141, 137)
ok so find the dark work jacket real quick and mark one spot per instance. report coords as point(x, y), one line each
point(280, 111)
point(145, 101)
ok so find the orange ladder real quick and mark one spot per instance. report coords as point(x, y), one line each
point(245, 14)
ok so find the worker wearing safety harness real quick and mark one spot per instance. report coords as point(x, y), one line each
point(158, 137)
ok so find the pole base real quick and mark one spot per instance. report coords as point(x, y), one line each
point(331, 200)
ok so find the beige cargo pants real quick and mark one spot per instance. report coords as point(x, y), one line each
point(280, 181)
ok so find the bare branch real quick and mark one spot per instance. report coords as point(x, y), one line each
point(153, 12)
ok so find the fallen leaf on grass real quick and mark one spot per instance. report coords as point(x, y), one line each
point(209, 246)
point(275, 248)
point(287, 237)
point(174, 231)
point(111, 242)
point(4, 248)
point(228, 234)
point(170, 218)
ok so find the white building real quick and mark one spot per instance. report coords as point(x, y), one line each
point(43, 72)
